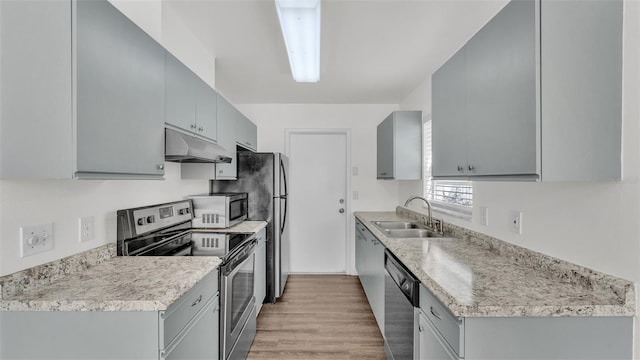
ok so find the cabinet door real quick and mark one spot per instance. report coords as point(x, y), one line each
point(206, 115)
point(377, 282)
point(252, 135)
point(200, 340)
point(120, 94)
point(385, 147)
point(360, 253)
point(431, 346)
point(36, 89)
point(180, 94)
point(449, 118)
point(501, 98)
point(227, 138)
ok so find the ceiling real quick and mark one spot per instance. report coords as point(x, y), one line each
point(372, 52)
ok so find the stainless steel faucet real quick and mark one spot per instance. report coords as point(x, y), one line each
point(406, 203)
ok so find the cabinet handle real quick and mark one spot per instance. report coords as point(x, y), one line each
point(197, 301)
point(160, 166)
point(434, 313)
point(420, 328)
point(200, 129)
point(193, 126)
point(471, 167)
point(460, 168)
point(384, 173)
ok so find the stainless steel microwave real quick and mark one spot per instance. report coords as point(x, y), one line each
point(219, 210)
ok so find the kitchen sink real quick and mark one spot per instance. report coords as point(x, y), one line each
point(385, 225)
point(411, 233)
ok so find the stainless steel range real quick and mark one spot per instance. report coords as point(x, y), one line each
point(166, 230)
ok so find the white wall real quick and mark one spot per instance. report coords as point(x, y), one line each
point(64, 202)
point(592, 224)
point(273, 119)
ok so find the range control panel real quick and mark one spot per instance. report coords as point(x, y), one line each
point(157, 217)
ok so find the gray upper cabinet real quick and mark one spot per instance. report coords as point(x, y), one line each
point(117, 62)
point(180, 94)
point(399, 146)
point(246, 132)
point(449, 148)
point(72, 90)
point(501, 94)
point(539, 97)
point(227, 129)
point(190, 104)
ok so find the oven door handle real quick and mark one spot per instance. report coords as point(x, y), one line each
point(238, 258)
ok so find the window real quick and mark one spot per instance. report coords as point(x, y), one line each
point(453, 197)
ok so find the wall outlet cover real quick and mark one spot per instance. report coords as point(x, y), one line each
point(86, 228)
point(483, 215)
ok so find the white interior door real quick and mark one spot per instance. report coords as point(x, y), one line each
point(318, 161)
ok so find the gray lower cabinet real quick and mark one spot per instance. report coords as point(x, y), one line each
point(370, 268)
point(260, 284)
point(442, 336)
point(188, 329)
point(537, 74)
point(199, 340)
point(82, 93)
point(399, 146)
point(190, 104)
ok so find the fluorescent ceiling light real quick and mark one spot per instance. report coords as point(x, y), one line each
point(300, 23)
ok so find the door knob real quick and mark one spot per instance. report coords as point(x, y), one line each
point(341, 201)
point(341, 211)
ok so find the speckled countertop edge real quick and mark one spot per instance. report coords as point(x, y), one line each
point(123, 283)
point(556, 270)
point(46, 273)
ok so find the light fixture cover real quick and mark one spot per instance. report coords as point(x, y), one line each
point(300, 23)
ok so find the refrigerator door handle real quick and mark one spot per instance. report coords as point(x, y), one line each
point(284, 179)
point(284, 217)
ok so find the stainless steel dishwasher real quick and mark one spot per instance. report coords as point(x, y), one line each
point(401, 291)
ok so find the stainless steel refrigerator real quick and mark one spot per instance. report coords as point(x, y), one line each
point(264, 177)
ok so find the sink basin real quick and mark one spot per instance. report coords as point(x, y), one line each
point(395, 225)
point(411, 233)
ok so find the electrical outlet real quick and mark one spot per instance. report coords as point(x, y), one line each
point(515, 221)
point(87, 225)
point(355, 195)
point(36, 239)
point(483, 215)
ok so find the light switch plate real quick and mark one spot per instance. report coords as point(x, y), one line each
point(36, 239)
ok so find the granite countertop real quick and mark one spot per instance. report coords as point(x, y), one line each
point(137, 283)
point(475, 280)
point(248, 226)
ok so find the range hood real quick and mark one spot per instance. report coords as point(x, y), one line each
point(180, 147)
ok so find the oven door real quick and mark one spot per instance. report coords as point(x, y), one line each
point(237, 298)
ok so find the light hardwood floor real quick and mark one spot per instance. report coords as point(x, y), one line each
point(318, 317)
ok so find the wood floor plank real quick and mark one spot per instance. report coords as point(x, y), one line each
point(319, 317)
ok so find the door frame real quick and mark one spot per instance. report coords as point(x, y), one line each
point(349, 240)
